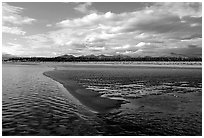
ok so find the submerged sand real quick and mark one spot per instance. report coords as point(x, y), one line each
point(91, 99)
point(175, 111)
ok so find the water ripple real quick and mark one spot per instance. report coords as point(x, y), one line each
point(36, 105)
point(33, 104)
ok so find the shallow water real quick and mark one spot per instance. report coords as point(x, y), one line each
point(33, 104)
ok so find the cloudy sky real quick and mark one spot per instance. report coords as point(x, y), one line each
point(135, 29)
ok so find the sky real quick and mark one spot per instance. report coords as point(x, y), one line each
point(51, 29)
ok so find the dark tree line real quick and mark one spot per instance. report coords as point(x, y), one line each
point(71, 58)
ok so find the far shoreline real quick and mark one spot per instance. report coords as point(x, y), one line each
point(171, 64)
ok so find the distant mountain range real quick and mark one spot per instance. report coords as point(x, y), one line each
point(95, 56)
point(7, 56)
point(72, 58)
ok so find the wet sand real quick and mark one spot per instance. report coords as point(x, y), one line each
point(91, 99)
point(95, 102)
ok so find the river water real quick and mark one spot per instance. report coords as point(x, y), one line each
point(33, 104)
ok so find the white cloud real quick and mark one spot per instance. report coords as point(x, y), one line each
point(12, 48)
point(8, 9)
point(122, 47)
point(138, 29)
point(141, 44)
point(84, 8)
point(11, 14)
point(48, 25)
point(38, 38)
point(97, 48)
point(14, 44)
point(38, 41)
point(13, 30)
point(180, 9)
point(86, 21)
point(160, 26)
point(195, 24)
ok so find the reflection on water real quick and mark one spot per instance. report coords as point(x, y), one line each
point(33, 104)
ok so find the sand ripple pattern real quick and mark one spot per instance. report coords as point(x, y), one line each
point(159, 100)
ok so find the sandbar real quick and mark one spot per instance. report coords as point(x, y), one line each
point(89, 98)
